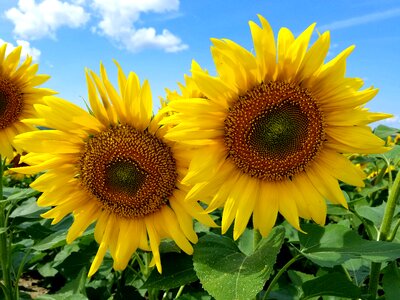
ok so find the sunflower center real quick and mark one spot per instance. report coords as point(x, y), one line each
point(124, 176)
point(279, 131)
point(11, 103)
point(274, 131)
point(131, 173)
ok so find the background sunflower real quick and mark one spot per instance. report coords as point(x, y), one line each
point(18, 94)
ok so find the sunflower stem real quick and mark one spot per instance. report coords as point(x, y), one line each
point(384, 234)
point(4, 243)
point(279, 274)
point(179, 291)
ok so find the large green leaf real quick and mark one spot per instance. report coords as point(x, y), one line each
point(227, 273)
point(334, 244)
point(332, 284)
point(177, 271)
point(391, 282)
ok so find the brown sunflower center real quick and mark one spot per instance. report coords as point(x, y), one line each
point(274, 131)
point(131, 173)
point(11, 103)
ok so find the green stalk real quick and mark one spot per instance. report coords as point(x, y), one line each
point(4, 249)
point(384, 233)
point(279, 274)
point(178, 294)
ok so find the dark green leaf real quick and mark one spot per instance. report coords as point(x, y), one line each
point(334, 244)
point(391, 282)
point(195, 296)
point(77, 285)
point(333, 284)
point(358, 269)
point(177, 271)
point(78, 260)
point(28, 209)
point(55, 239)
point(227, 273)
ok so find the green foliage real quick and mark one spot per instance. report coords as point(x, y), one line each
point(332, 284)
point(336, 261)
point(227, 273)
point(335, 244)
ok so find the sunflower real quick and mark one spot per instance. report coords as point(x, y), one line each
point(272, 129)
point(18, 94)
point(189, 89)
point(112, 166)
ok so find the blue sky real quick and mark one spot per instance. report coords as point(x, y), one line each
point(158, 38)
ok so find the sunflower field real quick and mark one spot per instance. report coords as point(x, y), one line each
point(268, 180)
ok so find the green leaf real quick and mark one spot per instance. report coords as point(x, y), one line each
point(62, 296)
point(47, 270)
point(177, 271)
point(22, 194)
point(28, 209)
point(195, 296)
point(374, 214)
point(358, 269)
point(245, 242)
point(384, 131)
point(77, 285)
point(334, 244)
point(55, 239)
point(227, 273)
point(391, 282)
point(332, 284)
point(394, 154)
point(72, 264)
point(8, 191)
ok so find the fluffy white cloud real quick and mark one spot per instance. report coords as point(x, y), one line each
point(37, 20)
point(26, 49)
point(118, 22)
point(116, 19)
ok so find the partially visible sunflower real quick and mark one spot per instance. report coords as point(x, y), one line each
point(274, 127)
point(189, 89)
point(18, 94)
point(113, 167)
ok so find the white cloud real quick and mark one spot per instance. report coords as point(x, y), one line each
point(369, 18)
point(26, 49)
point(118, 22)
point(37, 20)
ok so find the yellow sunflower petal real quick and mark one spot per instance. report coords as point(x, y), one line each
point(98, 259)
point(266, 209)
point(245, 207)
point(87, 215)
point(154, 241)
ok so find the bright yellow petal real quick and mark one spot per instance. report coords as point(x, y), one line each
point(266, 208)
point(245, 207)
